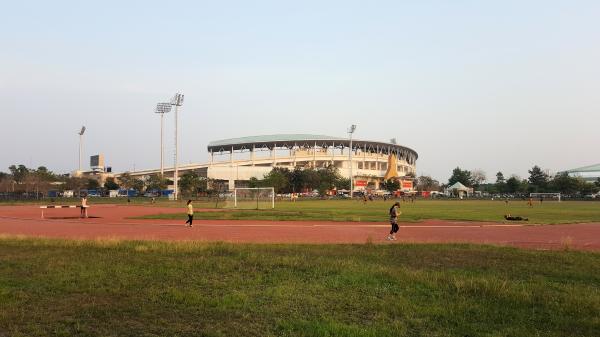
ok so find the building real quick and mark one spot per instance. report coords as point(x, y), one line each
point(588, 173)
point(236, 160)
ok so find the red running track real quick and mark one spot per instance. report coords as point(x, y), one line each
point(112, 222)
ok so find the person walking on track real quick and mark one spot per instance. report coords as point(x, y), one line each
point(190, 213)
point(84, 207)
point(394, 213)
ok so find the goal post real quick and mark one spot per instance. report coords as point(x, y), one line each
point(253, 197)
point(545, 195)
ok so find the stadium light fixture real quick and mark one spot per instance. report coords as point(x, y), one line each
point(162, 109)
point(80, 133)
point(176, 101)
point(351, 131)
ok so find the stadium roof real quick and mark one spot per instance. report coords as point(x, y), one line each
point(270, 139)
point(591, 168)
point(304, 140)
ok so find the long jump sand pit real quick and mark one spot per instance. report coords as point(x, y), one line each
point(114, 221)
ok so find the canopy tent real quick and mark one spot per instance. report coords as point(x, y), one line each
point(459, 190)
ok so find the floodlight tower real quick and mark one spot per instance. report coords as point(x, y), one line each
point(162, 109)
point(177, 101)
point(351, 131)
point(80, 133)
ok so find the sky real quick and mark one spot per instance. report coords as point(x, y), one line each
point(489, 85)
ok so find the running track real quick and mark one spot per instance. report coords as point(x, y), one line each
point(112, 222)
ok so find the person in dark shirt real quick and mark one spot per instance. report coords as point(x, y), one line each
point(514, 218)
point(394, 214)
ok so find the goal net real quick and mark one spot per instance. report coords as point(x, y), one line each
point(545, 196)
point(252, 198)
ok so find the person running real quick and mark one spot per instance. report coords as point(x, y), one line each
point(394, 213)
point(190, 213)
point(84, 207)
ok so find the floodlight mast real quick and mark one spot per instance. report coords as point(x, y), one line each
point(80, 133)
point(177, 101)
point(351, 131)
point(162, 109)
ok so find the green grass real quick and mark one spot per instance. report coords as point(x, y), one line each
point(469, 210)
point(113, 288)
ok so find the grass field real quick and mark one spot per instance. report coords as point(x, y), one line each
point(469, 210)
point(112, 288)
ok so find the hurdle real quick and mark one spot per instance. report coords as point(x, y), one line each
point(55, 206)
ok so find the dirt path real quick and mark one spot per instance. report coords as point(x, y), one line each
point(112, 222)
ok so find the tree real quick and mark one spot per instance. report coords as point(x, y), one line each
point(74, 183)
point(44, 174)
point(597, 182)
point(343, 183)
point(92, 184)
point(278, 178)
point(126, 181)
point(110, 184)
point(462, 176)
point(19, 173)
point(500, 183)
point(138, 184)
point(538, 179)
point(427, 183)
point(391, 185)
point(565, 184)
point(156, 182)
point(512, 184)
point(189, 183)
point(478, 177)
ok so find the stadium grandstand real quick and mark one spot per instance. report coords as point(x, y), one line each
point(234, 161)
point(587, 173)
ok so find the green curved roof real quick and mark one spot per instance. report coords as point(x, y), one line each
point(591, 168)
point(243, 143)
point(271, 139)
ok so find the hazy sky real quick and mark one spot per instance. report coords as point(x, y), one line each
point(491, 85)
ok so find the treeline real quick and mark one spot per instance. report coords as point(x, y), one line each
point(22, 179)
point(284, 180)
point(537, 182)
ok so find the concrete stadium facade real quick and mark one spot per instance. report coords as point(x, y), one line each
point(237, 160)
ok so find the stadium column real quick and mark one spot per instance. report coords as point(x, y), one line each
point(231, 181)
point(315, 155)
point(252, 154)
point(273, 154)
point(295, 153)
point(365, 155)
point(332, 153)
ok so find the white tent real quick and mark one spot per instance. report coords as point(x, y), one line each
point(459, 190)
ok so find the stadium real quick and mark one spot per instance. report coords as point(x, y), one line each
point(588, 173)
point(236, 160)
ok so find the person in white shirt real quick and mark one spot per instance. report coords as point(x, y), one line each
point(84, 207)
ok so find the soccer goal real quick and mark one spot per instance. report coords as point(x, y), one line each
point(252, 198)
point(550, 196)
